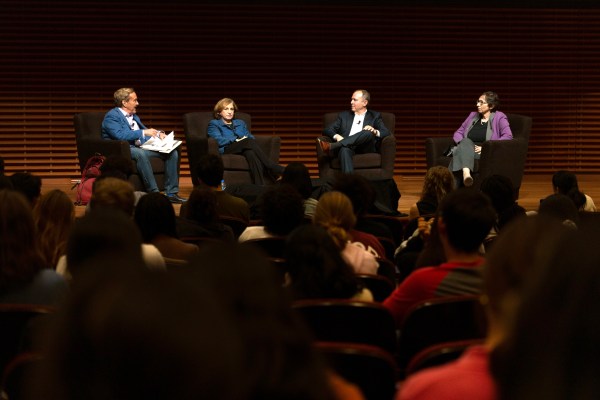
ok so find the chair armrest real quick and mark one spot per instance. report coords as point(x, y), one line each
point(87, 147)
point(435, 148)
point(388, 153)
point(504, 157)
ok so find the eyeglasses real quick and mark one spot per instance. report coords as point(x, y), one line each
point(481, 102)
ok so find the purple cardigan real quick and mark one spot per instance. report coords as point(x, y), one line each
point(500, 129)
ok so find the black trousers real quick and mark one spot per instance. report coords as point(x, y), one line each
point(262, 169)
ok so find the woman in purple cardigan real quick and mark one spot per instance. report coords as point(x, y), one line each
point(483, 125)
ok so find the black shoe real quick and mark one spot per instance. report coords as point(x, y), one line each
point(175, 199)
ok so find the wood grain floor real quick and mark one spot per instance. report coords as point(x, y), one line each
point(534, 188)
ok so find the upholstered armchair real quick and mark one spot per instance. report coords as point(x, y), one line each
point(88, 136)
point(373, 166)
point(195, 127)
point(498, 157)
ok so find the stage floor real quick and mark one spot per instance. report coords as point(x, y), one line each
point(534, 188)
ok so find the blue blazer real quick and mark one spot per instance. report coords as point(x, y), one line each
point(343, 124)
point(226, 134)
point(116, 127)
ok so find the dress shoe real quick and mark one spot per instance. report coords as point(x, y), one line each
point(325, 146)
point(175, 199)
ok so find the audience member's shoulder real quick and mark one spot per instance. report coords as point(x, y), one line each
point(152, 257)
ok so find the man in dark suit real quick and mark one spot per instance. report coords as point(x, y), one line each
point(355, 131)
point(122, 123)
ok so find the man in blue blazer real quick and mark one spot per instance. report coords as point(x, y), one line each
point(122, 123)
point(354, 132)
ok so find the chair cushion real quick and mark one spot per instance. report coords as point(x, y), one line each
point(235, 162)
point(369, 160)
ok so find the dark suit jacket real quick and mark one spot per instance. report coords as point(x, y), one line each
point(343, 124)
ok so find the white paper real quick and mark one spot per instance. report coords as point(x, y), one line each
point(166, 145)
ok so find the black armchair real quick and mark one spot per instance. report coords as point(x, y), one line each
point(498, 157)
point(195, 127)
point(373, 166)
point(88, 135)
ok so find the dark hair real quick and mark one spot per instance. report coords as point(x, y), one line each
point(202, 205)
point(316, 267)
point(492, 99)
point(358, 189)
point(101, 237)
point(28, 184)
point(279, 360)
point(282, 210)
point(5, 182)
point(54, 215)
point(553, 346)
point(501, 192)
point(154, 215)
point(142, 336)
point(565, 182)
point(210, 170)
point(117, 166)
point(1, 165)
point(559, 206)
point(468, 217)
point(296, 175)
point(20, 256)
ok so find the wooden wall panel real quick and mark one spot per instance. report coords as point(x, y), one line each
point(287, 64)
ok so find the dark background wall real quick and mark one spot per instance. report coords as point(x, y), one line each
point(288, 63)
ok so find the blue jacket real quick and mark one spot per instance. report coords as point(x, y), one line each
point(116, 127)
point(226, 134)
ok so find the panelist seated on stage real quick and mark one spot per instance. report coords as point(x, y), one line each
point(233, 137)
point(355, 131)
point(122, 123)
point(487, 123)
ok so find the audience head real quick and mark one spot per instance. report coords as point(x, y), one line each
point(1, 165)
point(501, 192)
point(54, 214)
point(20, 257)
point(150, 335)
point(113, 193)
point(5, 182)
point(565, 182)
point(220, 106)
point(209, 170)
point(465, 219)
point(315, 265)
point(552, 349)
point(103, 239)
point(278, 358)
point(281, 209)
point(334, 213)
point(117, 166)
point(560, 207)
point(154, 216)
point(438, 182)
point(28, 184)
point(202, 206)
point(358, 189)
point(296, 175)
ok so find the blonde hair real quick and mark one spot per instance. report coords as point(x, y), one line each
point(122, 95)
point(221, 104)
point(334, 212)
point(113, 193)
point(438, 182)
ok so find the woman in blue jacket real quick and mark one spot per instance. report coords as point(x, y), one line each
point(233, 137)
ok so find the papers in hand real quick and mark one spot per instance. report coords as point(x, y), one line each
point(166, 145)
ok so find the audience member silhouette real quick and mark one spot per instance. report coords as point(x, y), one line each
point(334, 213)
point(28, 184)
point(551, 350)
point(316, 268)
point(509, 266)
point(281, 211)
point(297, 175)
point(155, 217)
point(465, 218)
point(560, 207)
point(438, 182)
point(54, 214)
point(25, 275)
point(501, 192)
point(200, 218)
point(565, 182)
